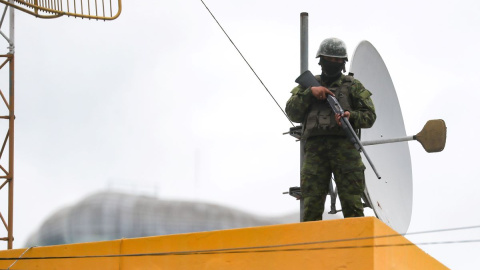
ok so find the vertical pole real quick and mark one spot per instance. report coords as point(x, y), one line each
point(303, 67)
point(303, 42)
point(11, 127)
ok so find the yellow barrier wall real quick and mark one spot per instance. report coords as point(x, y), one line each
point(309, 245)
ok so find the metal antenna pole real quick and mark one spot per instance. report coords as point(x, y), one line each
point(303, 42)
point(303, 67)
point(296, 131)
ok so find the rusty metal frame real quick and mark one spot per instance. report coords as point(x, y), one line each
point(48, 9)
point(6, 171)
point(38, 8)
point(8, 143)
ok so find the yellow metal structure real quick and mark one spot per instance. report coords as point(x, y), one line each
point(355, 243)
point(90, 9)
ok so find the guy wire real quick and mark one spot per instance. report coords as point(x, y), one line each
point(247, 62)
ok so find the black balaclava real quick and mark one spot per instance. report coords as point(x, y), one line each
point(331, 71)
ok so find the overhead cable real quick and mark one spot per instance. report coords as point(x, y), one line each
point(276, 248)
point(246, 62)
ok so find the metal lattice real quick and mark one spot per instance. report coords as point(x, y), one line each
point(6, 148)
point(7, 123)
point(90, 9)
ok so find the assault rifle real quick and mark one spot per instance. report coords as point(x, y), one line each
point(306, 79)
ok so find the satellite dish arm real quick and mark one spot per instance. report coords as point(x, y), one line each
point(383, 141)
point(432, 137)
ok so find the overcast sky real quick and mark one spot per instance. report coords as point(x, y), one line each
point(159, 102)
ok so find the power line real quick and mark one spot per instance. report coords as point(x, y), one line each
point(247, 62)
point(445, 230)
point(274, 248)
point(239, 251)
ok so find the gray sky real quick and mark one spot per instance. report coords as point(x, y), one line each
point(159, 100)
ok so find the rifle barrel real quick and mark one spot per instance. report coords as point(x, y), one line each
point(359, 143)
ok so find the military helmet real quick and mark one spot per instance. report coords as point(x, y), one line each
point(333, 47)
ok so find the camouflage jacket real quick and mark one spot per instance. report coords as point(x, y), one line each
point(362, 114)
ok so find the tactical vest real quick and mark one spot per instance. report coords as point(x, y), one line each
point(320, 118)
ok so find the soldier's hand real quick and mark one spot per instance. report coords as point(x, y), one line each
point(321, 92)
point(338, 117)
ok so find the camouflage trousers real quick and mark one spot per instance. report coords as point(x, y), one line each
point(325, 155)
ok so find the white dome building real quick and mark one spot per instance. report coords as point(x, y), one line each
point(114, 215)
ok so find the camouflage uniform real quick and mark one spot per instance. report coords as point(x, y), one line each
point(331, 152)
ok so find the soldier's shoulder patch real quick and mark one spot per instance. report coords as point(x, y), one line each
point(365, 94)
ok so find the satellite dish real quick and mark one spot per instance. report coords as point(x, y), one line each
point(390, 197)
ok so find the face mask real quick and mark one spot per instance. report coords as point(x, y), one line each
point(331, 69)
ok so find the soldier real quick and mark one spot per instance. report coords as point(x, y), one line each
point(327, 149)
